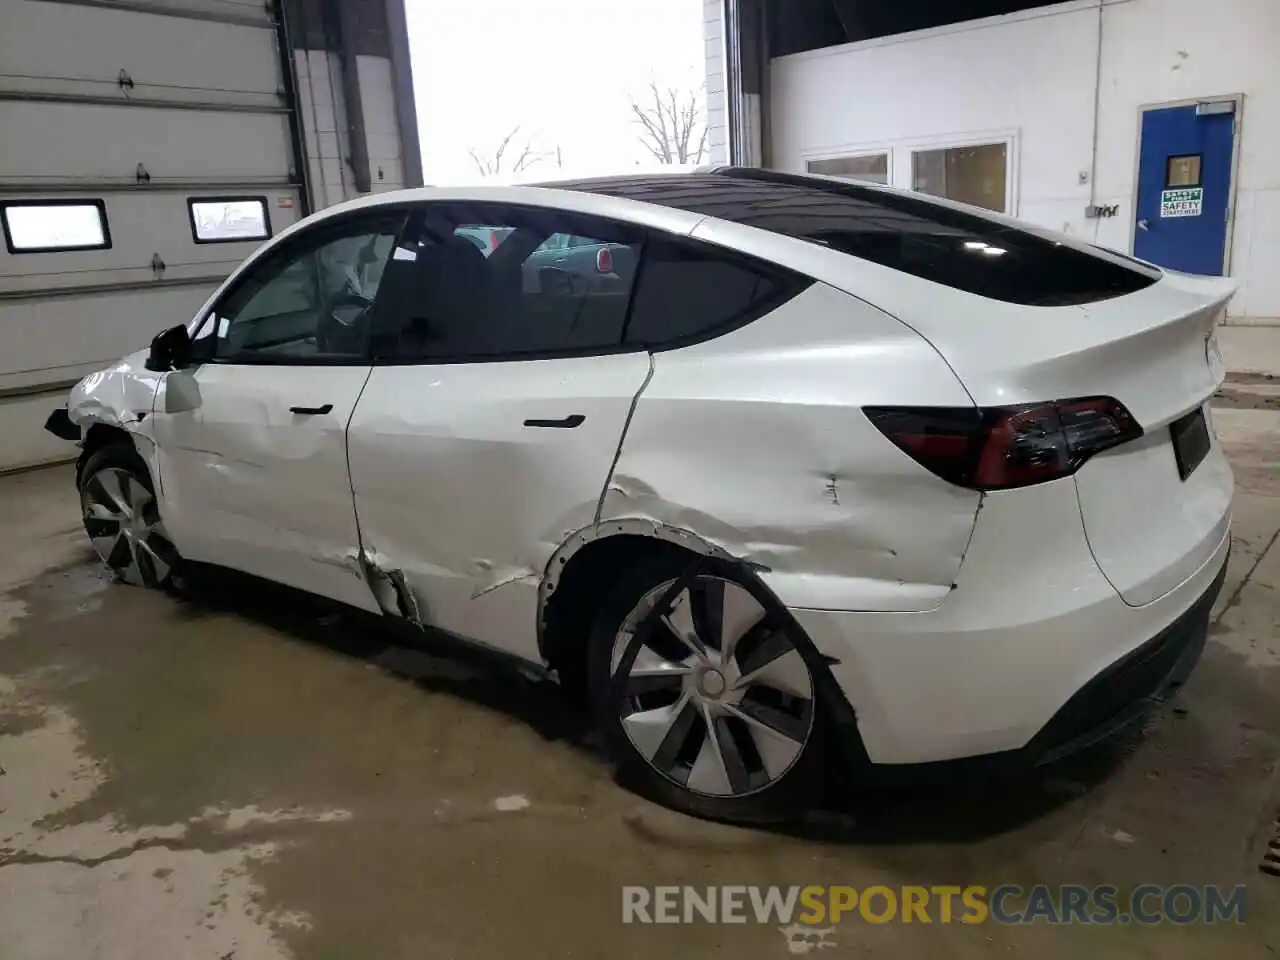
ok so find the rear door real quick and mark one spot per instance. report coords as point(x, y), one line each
point(112, 118)
point(489, 426)
point(253, 474)
point(1184, 186)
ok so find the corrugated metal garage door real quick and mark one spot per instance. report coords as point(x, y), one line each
point(135, 108)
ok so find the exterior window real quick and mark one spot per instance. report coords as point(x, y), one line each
point(536, 294)
point(869, 168)
point(311, 301)
point(51, 226)
point(690, 292)
point(229, 219)
point(1183, 171)
point(975, 175)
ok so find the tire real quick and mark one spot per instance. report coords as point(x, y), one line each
point(122, 517)
point(657, 698)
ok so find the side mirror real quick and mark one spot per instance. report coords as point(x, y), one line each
point(170, 350)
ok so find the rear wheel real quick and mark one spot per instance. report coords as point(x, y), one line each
point(702, 687)
point(122, 517)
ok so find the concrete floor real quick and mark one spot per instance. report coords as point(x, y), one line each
point(234, 778)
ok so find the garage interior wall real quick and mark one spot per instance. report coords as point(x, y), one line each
point(1031, 79)
point(172, 101)
point(713, 36)
point(369, 36)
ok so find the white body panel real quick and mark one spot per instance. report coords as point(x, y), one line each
point(1150, 529)
point(1024, 629)
point(1151, 350)
point(248, 484)
point(950, 636)
point(453, 489)
point(756, 441)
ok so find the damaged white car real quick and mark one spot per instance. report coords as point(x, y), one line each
point(774, 469)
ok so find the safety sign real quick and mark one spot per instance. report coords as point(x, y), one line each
point(1186, 202)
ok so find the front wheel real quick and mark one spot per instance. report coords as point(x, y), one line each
point(122, 517)
point(703, 689)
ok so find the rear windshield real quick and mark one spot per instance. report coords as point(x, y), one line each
point(963, 250)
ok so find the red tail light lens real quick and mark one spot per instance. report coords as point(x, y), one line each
point(996, 448)
point(604, 260)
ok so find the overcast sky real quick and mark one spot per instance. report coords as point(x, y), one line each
point(563, 71)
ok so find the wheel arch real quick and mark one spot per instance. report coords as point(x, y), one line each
point(99, 436)
point(587, 563)
point(583, 567)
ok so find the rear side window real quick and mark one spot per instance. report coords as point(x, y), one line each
point(957, 248)
point(555, 284)
point(689, 292)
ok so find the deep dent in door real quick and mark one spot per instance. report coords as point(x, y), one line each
point(485, 576)
point(819, 530)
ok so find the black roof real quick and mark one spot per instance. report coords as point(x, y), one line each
point(965, 249)
point(793, 204)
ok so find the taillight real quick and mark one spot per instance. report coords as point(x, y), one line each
point(604, 260)
point(996, 448)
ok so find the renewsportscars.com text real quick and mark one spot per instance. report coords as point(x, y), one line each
point(1004, 904)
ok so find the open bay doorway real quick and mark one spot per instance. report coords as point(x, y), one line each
point(509, 91)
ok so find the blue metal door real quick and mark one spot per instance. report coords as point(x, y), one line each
point(1184, 182)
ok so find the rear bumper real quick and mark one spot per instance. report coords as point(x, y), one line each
point(1034, 654)
point(1123, 693)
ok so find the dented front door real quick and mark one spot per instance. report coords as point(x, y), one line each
point(255, 476)
point(253, 461)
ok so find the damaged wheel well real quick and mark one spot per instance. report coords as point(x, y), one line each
point(578, 591)
point(99, 435)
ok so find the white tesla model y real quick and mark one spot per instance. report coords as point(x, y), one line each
point(772, 468)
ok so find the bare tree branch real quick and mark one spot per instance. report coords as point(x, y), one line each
point(673, 128)
point(527, 158)
point(491, 165)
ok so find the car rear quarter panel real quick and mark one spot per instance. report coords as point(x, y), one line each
point(755, 441)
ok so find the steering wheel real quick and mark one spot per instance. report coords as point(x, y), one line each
point(344, 323)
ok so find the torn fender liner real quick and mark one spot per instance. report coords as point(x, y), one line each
point(60, 425)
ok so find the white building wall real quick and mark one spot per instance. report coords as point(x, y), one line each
point(1030, 78)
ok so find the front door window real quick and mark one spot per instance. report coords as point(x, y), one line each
point(305, 304)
